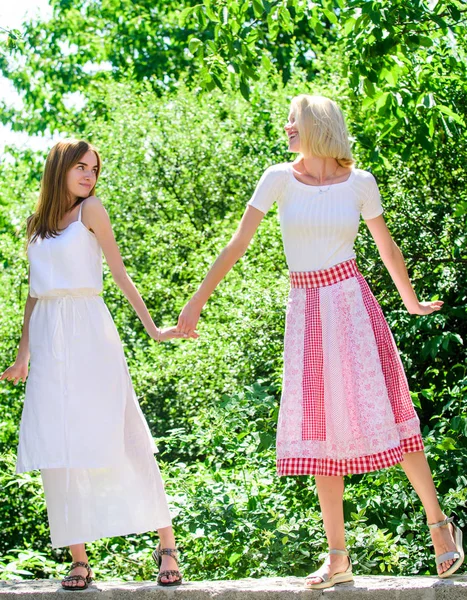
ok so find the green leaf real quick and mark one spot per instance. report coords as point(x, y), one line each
point(432, 124)
point(369, 87)
point(415, 399)
point(392, 75)
point(201, 15)
point(234, 557)
point(245, 89)
point(258, 8)
point(425, 41)
point(382, 99)
point(186, 12)
point(331, 16)
point(194, 44)
point(266, 61)
point(317, 26)
point(210, 12)
point(285, 19)
point(348, 26)
point(450, 113)
point(447, 443)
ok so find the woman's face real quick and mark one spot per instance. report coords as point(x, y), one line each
point(292, 133)
point(82, 177)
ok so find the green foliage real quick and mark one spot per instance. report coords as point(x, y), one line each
point(177, 173)
point(405, 60)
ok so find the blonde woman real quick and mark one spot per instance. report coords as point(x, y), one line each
point(345, 404)
point(82, 425)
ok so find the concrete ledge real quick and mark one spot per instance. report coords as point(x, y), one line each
point(364, 588)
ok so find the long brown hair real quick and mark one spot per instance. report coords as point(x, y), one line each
point(54, 198)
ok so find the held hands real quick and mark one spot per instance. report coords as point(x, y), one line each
point(189, 318)
point(426, 308)
point(17, 372)
point(170, 333)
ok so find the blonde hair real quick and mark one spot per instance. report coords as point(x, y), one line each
point(322, 129)
point(54, 201)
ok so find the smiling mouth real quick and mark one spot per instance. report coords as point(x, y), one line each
point(292, 137)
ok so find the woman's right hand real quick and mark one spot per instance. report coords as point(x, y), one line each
point(189, 317)
point(17, 372)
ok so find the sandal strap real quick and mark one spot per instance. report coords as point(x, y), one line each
point(80, 563)
point(322, 572)
point(173, 552)
point(74, 578)
point(453, 555)
point(441, 523)
point(168, 574)
point(339, 552)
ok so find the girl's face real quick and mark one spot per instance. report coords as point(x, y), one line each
point(82, 177)
point(292, 133)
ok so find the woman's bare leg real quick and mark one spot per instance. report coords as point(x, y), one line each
point(331, 500)
point(167, 540)
point(418, 472)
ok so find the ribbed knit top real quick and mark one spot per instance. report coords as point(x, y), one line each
point(319, 223)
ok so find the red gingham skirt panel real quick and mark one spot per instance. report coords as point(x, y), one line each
point(314, 418)
point(314, 279)
point(349, 466)
point(396, 382)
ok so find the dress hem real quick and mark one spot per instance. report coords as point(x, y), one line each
point(350, 466)
point(112, 535)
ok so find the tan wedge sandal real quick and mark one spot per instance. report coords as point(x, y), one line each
point(326, 581)
point(457, 555)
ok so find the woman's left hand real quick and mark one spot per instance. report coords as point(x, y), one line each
point(426, 308)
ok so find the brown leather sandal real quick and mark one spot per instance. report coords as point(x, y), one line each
point(87, 580)
point(157, 556)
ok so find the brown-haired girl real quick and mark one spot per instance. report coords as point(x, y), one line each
point(345, 404)
point(82, 425)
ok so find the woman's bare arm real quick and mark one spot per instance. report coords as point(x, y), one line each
point(19, 369)
point(234, 250)
point(95, 217)
point(394, 262)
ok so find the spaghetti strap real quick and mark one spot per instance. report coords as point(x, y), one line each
point(80, 210)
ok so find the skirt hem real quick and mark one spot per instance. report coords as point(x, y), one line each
point(350, 466)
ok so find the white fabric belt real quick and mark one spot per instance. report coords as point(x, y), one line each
point(78, 293)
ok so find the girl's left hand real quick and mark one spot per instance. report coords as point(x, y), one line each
point(426, 308)
point(169, 333)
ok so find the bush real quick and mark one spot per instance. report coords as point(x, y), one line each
point(177, 174)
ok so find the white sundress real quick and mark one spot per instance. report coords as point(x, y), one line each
point(81, 424)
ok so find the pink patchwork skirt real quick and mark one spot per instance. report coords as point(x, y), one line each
point(345, 406)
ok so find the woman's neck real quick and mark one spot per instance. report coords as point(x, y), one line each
point(320, 169)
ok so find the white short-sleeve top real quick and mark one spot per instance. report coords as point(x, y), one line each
point(319, 224)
